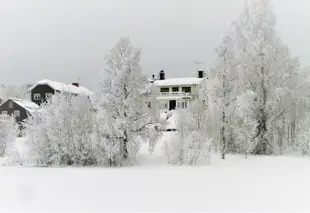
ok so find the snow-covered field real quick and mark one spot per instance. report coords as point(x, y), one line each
point(258, 184)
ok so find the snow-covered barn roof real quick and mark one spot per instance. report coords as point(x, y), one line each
point(178, 81)
point(27, 105)
point(63, 87)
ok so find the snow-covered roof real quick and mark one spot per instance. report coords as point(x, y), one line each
point(178, 81)
point(28, 105)
point(63, 87)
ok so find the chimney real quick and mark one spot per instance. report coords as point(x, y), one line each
point(162, 75)
point(200, 74)
point(76, 84)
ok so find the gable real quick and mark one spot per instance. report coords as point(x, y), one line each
point(42, 89)
point(62, 87)
point(5, 107)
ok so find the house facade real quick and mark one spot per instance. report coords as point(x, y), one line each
point(39, 93)
point(175, 93)
point(45, 89)
point(18, 108)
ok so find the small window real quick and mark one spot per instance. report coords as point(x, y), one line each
point(183, 105)
point(164, 89)
point(48, 95)
point(175, 89)
point(186, 89)
point(4, 112)
point(149, 104)
point(16, 113)
point(10, 104)
point(179, 105)
point(166, 106)
point(37, 96)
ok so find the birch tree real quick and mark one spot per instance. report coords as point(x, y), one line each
point(123, 101)
point(222, 87)
point(266, 66)
point(12, 91)
point(245, 123)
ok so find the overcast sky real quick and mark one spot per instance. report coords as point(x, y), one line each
point(66, 40)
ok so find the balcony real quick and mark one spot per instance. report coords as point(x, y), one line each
point(175, 95)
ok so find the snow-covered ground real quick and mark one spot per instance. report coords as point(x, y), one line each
point(258, 184)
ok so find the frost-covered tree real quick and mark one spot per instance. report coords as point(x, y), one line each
point(303, 136)
point(191, 142)
point(61, 132)
point(8, 133)
point(13, 91)
point(127, 118)
point(245, 123)
point(221, 88)
point(266, 67)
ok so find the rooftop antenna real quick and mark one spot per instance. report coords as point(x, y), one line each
point(198, 63)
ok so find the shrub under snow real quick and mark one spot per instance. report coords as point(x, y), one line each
point(61, 132)
point(8, 133)
point(191, 143)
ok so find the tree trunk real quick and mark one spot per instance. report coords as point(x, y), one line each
point(263, 146)
point(262, 143)
point(124, 148)
point(223, 139)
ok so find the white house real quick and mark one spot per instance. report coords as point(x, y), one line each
point(173, 93)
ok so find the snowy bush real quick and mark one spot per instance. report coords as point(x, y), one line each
point(8, 133)
point(61, 133)
point(189, 150)
point(191, 143)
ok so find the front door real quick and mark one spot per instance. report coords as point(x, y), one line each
point(172, 104)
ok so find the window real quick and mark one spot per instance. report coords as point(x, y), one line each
point(175, 89)
point(48, 95)
point(16, 113)
point(186, 89)
point(11, 104)
point(149, 104)
point(179, 105)
point(37, 96)
point(166, 106)
point(4, 112)
point(184, 104)
point(164, 89)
